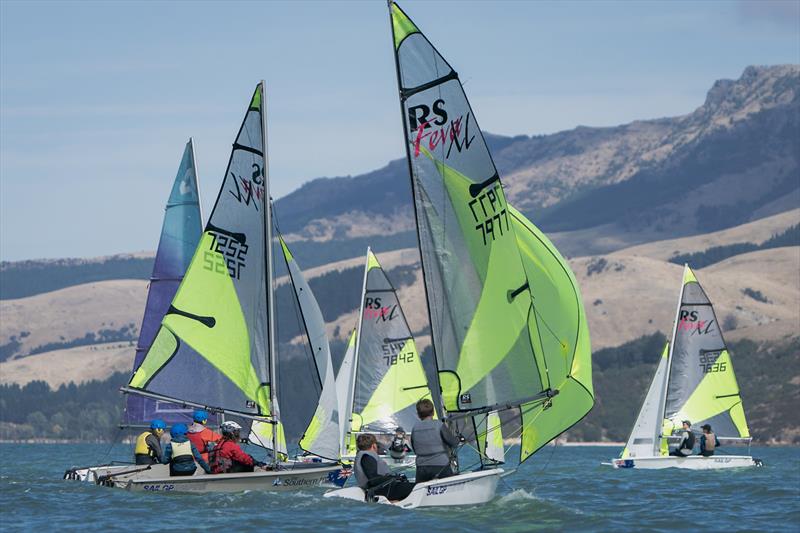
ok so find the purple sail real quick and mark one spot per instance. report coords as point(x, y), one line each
point(180, 235)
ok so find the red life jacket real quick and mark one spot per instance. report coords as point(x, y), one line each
point(202, 439)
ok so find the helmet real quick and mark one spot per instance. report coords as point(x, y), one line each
point(230, 427)
point(200, 416)
point(158, 424)
point(178, 430)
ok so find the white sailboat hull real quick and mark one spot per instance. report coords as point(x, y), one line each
point(472, 488)
point(157, 479)
point(90, 474)
point(691, 462)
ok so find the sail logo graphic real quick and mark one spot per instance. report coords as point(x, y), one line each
point(490, 212)
point(374, 309)
point(230, 256)
point(445, 132)
point(249, 189)
point(688, 321)
point(709, 364)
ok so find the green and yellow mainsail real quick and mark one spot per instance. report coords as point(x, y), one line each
point(701, 384)
point(388, 375)
point(508, 325)
point(218, 319)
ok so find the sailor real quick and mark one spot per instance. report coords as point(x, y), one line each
point(433, 442)
point(227, 456)
point(201, 436)
point(148, 444)
point(708, 441)
point(374, 475)
point(180, 454)
point(398, 449)
point(687, 441)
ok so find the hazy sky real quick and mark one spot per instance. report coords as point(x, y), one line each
point(98, 98)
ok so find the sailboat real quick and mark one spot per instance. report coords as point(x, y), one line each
point(222, 321)
point(508, 327)
point(180, 233)
point(694, 381)
point(382, 377)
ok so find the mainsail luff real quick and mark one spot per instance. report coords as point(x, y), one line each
point(660, 428)
point(348, 418)
point(435, 391)
point(273, 381)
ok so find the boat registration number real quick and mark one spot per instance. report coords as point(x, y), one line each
point(157, 488)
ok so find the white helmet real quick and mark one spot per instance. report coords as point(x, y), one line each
point(230, 427)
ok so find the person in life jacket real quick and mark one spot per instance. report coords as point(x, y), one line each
point(202, 437)
point(227, 456)
point(180, 454)
point(687, 441)
point(147, 450)
point(398, 449)
point(434, 443)
point(374, 475)
point(708, 441)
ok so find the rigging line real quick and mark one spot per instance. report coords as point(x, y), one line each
point(547, 463)
point(111, 445)
point(548, 326)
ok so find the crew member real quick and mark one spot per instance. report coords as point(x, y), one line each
point(180, 454)
point(374, 475)
point(227, 456)
point(201, 436)
point(148, 444)
point(433, 442)
point(398, 449)
point(708, 441)
point(687, 441)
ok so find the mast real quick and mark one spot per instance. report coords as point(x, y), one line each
point(401, 99)
point(196, 180)
point(352, 392)
point(271, 359)
point(663, 405)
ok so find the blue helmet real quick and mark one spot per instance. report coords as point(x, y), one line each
point(200, 416)
point(158, 424)
point(178, 430)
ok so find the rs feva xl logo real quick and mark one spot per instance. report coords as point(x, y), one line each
point(430, 124)
point(689, 321)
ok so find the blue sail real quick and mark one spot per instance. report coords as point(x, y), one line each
point(180, 235)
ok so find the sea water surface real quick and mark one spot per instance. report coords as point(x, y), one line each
point(560, 488)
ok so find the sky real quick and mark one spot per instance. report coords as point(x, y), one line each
point(97, 99)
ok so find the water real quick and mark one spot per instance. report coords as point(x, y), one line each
point(562, 488)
